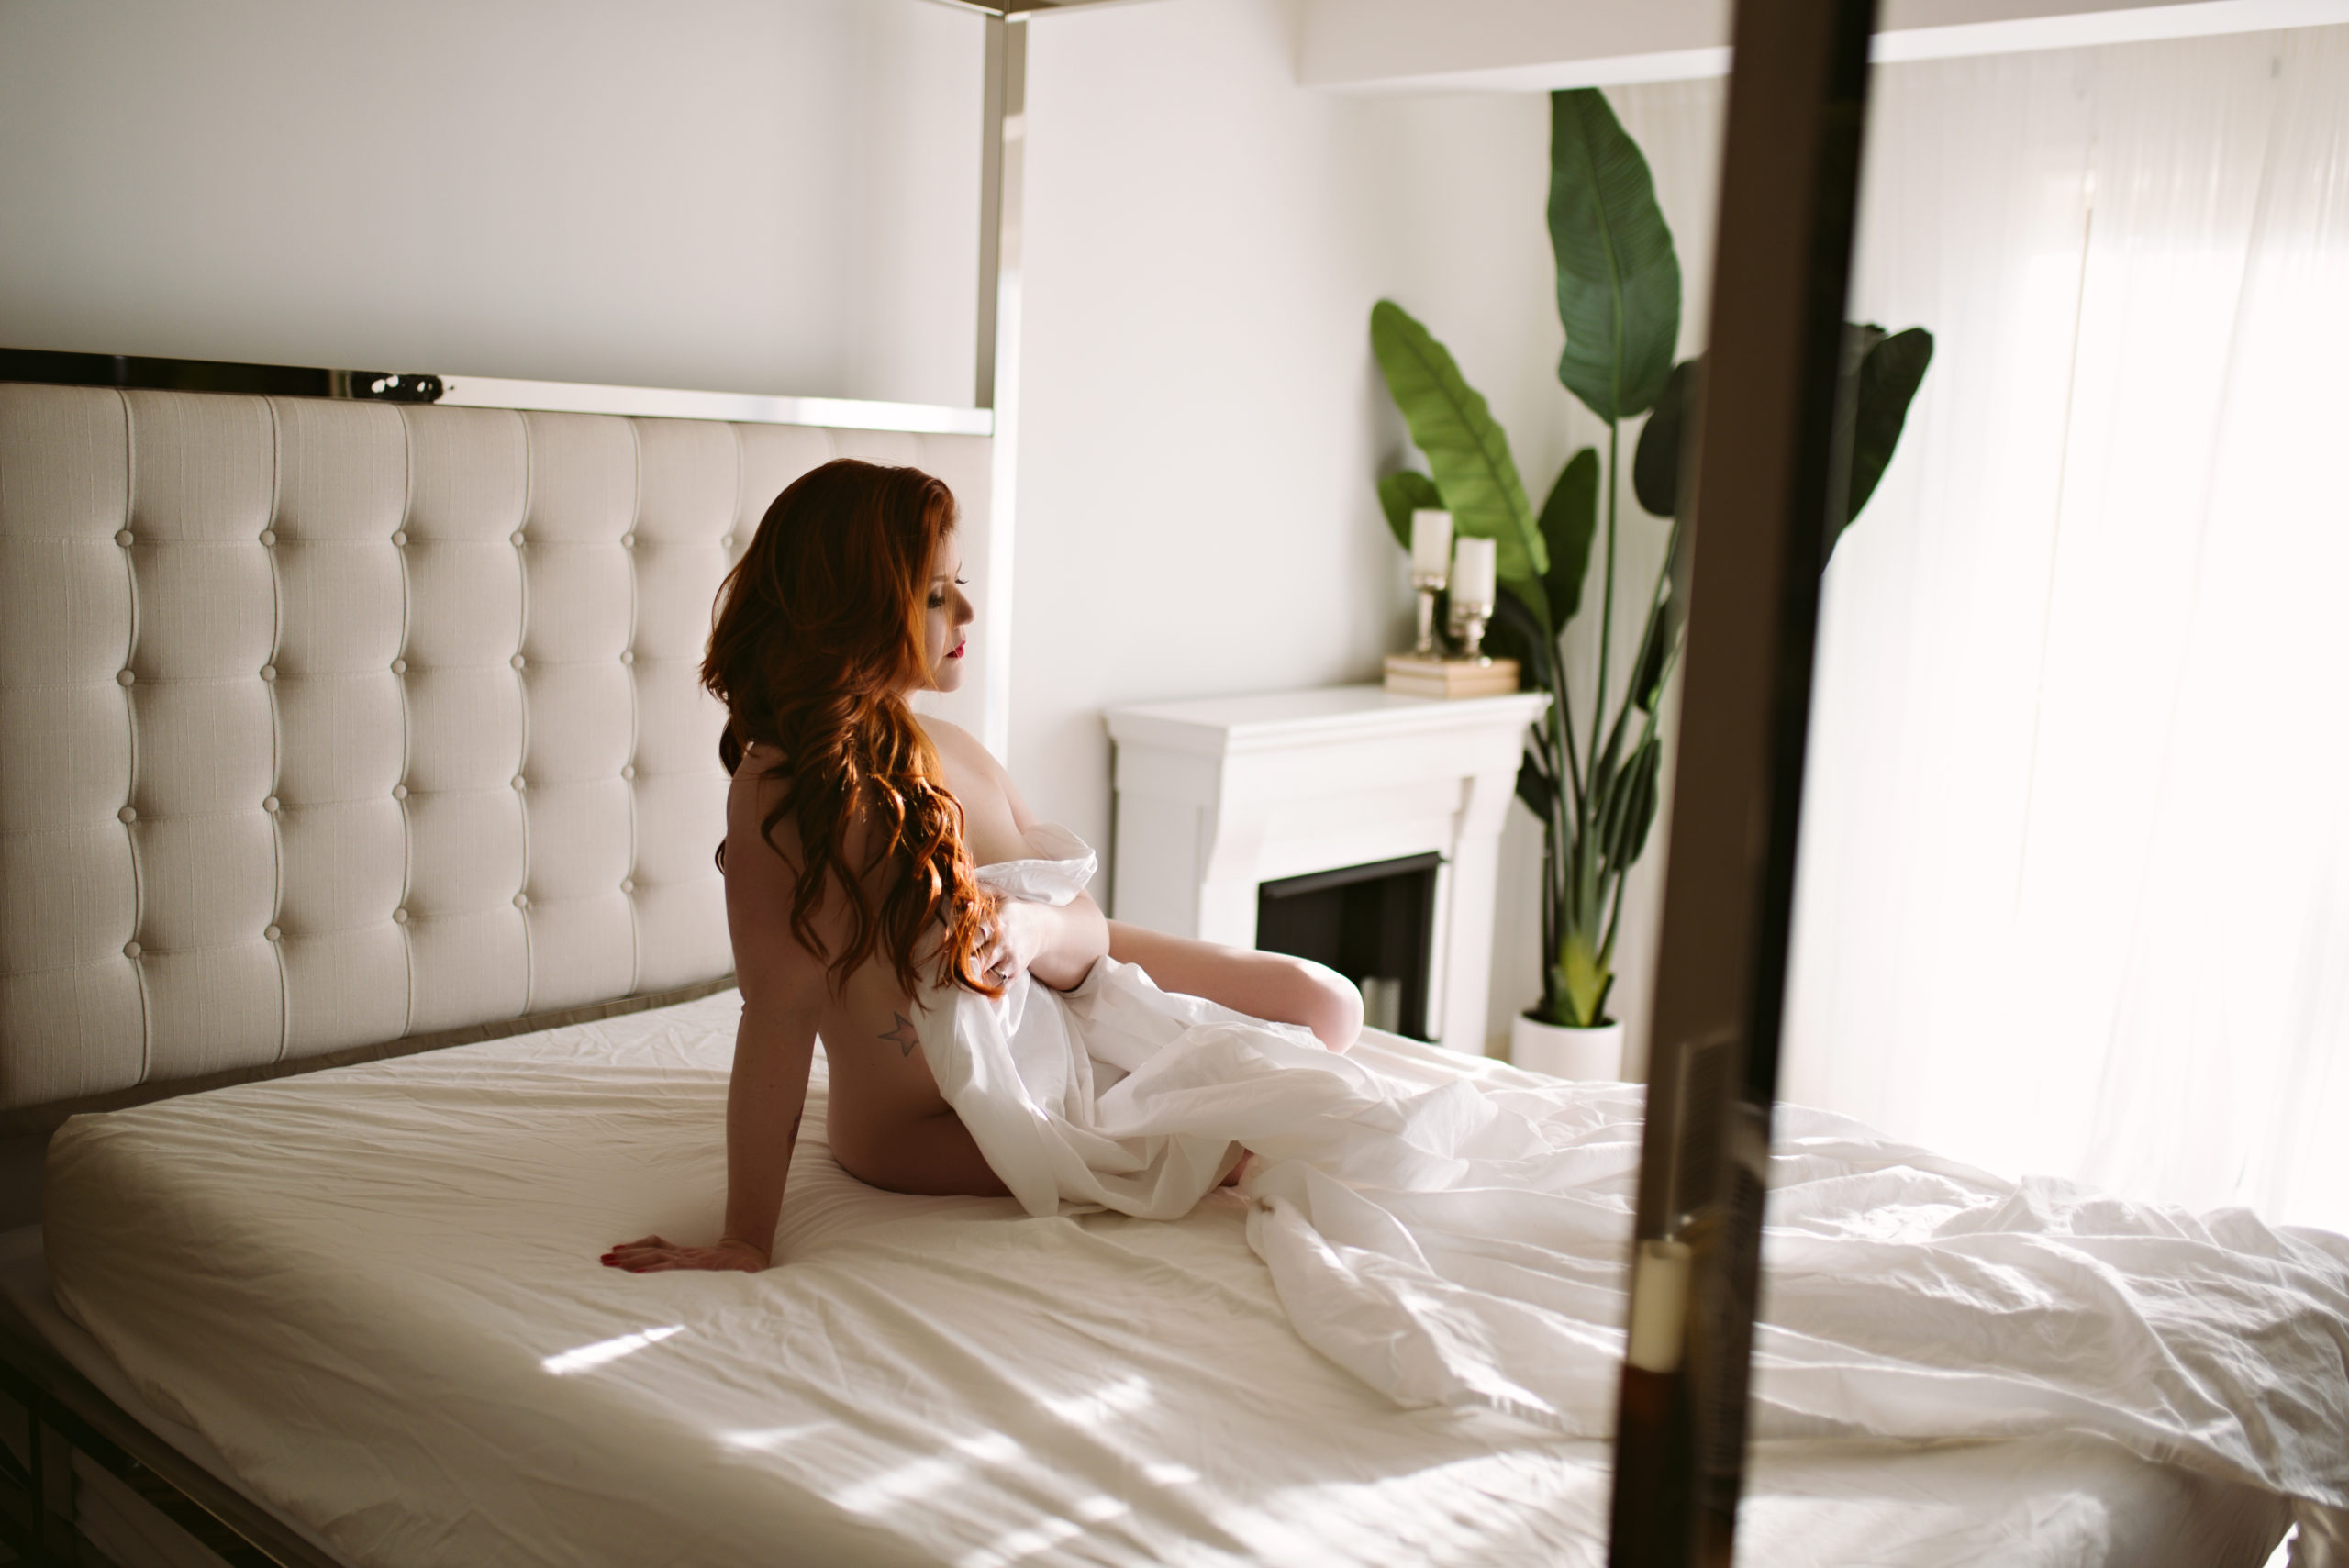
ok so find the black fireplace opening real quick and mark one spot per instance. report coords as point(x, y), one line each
point(1370, 923)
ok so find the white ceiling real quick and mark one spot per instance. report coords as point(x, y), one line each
point(1537, 44)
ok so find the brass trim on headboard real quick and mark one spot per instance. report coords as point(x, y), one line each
point(35, 1119)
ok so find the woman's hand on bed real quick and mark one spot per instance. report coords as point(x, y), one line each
point(651, 1255)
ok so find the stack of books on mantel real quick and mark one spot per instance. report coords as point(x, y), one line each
point(1434, 677)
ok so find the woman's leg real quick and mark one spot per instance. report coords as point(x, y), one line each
point(1262, 985)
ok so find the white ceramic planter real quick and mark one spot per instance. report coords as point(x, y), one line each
point(1591, 1053)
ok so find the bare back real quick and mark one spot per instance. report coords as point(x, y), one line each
point(888, 1123)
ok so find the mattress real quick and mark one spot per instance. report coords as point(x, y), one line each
point(373, 1294)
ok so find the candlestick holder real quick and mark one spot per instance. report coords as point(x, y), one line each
point(1429, 583)
point(1431, 672)
point(1468, 619)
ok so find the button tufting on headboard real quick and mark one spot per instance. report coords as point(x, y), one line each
point(328, 723)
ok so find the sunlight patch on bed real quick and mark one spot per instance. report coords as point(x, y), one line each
point(922, 1475)
point(1020, 1543)
point(892, 1486)
point(603, 1351)
point(1031, 1539)
point(991, 1448)
point(773, 1437)
point(1170, 1474)
point(1122, 1397)
point(1462, 1510)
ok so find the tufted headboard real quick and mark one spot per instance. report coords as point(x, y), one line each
point(327, 725)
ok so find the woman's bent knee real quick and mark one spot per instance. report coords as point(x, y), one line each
point(1324, 1002)
point(1272, 985)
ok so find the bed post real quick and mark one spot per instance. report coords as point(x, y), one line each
point(1763, 473)
point(1002, 169)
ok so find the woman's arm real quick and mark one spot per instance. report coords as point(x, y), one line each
point(783, 997)
point(765, 1101)
point(773, 1050)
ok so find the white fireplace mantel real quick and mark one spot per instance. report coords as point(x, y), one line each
point(1216, 796)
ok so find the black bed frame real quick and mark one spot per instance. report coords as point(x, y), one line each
point(52, 1412)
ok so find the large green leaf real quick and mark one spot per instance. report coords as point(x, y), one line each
point(1656, 640)
point(1516, 631)
point(1659, 639)
point(1629, 810)
point(1401, 494)
point(1891, 369)
point(1618, 277)
point(1655, 466)
point(1534, 788)
point(1887, 371)
point(1569, 520)
point(1464, 444)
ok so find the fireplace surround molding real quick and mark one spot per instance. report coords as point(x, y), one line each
point(1218, 796)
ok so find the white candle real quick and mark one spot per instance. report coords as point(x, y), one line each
point(1473, 577)
point(1430, 541)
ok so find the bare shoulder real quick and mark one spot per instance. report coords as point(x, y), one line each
point(758, 785)
point(971, 769)
point(995, 822)
point(762, 842)
point(957, 747)
point(762, 873)
point(762, 834)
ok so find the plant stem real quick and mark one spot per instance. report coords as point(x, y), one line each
point(1586, 894)
point(1605, 618)
point(1561, 720)
point(1622, 876)
point(1559, 840)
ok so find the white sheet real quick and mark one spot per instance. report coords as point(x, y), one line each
point(375, 1291)
point(1457, 1238)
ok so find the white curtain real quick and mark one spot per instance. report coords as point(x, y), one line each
point(2075, 888)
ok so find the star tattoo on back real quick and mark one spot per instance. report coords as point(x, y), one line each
point(903, 1036)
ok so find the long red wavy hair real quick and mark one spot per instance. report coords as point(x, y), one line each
point(818, 637)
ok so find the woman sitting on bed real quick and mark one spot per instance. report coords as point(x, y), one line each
point(853, 830)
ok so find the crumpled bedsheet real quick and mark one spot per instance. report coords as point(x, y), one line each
point(1460, 1240)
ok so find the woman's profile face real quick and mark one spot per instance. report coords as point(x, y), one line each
point(948, 614)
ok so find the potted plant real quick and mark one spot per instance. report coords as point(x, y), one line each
point(1594, 782)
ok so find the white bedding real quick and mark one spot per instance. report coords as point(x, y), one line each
point(1457, 1237)
point(375, 1291)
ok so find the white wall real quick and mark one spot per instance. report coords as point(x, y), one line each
point(1203, 422)
point(764, 195)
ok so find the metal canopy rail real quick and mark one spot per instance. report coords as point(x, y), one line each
point(486, 392)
